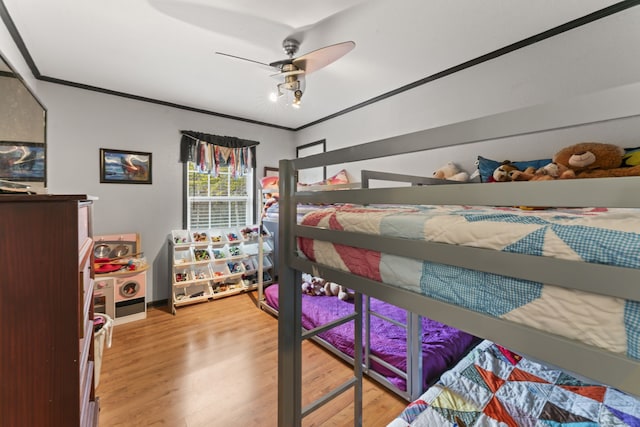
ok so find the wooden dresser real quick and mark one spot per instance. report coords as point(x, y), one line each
point(46, 311)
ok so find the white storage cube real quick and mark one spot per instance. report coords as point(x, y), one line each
point(182, 255)
point(219, 254)
point(250, 232)
point(219, 271)
point(266, 262)
point(233, 235)
point(181, 275)
point(202, 255)
point(249, 265)
point(235, 267)
point(180, 237)
point(251, 249)
point(217, 237)
point(235, 251)
point(192, 293)
point(199, 237)
point(202, 272)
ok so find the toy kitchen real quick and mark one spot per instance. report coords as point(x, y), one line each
point(120, 277)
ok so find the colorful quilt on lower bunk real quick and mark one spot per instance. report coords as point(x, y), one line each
point(442, 346)
point(492, 386)
point(594, 235)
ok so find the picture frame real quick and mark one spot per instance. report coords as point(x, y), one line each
point(125, 167)
point(312, 175)
point(22, 161)
point(270, 171)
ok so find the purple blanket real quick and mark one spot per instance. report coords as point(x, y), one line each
point(442, 346)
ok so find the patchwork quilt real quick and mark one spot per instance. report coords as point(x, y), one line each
point(492, 386)
point(595, 235)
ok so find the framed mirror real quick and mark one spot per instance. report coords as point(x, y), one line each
point(22, 134)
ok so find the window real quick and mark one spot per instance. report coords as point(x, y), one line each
point(218, 202)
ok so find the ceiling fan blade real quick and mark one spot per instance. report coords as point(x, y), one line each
point(322, 57)
point(246, 59)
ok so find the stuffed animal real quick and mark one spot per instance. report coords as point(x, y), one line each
point(452, 172)
point(550, 171)
point(316, 286)
point(507, 171)
point(340, 291)
point(313, 286)
point(632, 157)
point(547, 172)
point(593, 160)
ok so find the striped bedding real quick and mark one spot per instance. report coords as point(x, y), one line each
point(595, 235)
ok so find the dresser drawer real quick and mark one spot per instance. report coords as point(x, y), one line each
point(85, 295)
point(83, 224)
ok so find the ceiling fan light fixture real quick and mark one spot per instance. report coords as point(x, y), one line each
point(297, 97)
point(293, 70)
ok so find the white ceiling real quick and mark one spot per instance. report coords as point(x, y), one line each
point(164, 50)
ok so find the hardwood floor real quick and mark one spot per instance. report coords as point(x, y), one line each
point(215, 364)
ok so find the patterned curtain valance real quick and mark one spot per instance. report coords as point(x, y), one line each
point(209, 152)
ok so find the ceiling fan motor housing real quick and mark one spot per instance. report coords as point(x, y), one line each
point(290, 47)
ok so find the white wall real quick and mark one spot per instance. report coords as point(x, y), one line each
point(587, 59)
point(598, 56)
point(81, 122)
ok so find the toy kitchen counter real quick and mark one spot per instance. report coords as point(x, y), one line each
point(120, 277)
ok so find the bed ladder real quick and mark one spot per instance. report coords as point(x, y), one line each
point(290, 332)
point(290, 410)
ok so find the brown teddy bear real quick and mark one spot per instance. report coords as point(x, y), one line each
point(548, 172)
point(593, 160)
point(507, 171)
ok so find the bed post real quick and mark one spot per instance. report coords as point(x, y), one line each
point(414, 355)
point(289, 317)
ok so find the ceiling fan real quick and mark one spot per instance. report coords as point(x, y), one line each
point(291, 71)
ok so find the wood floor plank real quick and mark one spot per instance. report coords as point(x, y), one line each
point(215, 364)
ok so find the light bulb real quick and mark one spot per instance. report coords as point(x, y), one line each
point(297, 96)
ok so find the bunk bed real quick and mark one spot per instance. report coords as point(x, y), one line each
point(402, 351)
point(619, 369)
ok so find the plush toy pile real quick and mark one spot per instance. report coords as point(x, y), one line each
point(583, 160)
point(316, 286)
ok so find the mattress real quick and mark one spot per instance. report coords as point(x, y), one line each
point(594, 235)
point(442, 346)
point(493, 386)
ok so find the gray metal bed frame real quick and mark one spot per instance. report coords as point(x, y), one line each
point(413, 328)
point(613, 369)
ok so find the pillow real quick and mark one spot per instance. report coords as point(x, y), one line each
point(339, 178)
point(487, 166)
point(269, 183)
